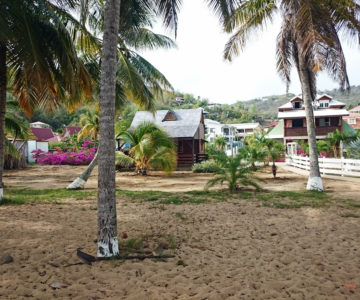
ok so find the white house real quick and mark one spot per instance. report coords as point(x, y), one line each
point(228, 131)
point(247, 129)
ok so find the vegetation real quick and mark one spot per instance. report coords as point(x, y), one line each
point(308, 40)
point(207, 166)
point(151, 148)
point(234, 171)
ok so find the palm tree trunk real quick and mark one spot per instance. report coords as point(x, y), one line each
point(2, 112)
point(79, 182)
point(314, 181)
point(107, 223)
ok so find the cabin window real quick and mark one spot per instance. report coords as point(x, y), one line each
point(324, 104)
point(297, 105)
point(352, 121)
point(180, 146)
point(324, 122)
point(170, 116)
point(298, 123)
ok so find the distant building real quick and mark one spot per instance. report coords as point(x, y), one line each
point(39, 124)
point(354, 118)
point(328, 115)
point(228, 131)
point(69, 131)
point(246, 129)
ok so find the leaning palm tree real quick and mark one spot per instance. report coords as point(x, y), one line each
point(309, 40)
point(151, 148)
point(37, 60)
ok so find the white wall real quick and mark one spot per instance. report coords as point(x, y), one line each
point(34, 145)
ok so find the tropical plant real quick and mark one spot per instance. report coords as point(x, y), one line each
point(336, 138)
point(37, 59)
point(207, 166)
point(275, 150)
point(309, 40)
point(220, 143)
point(354, 149)
point(90, 123)
point(151, 148)
point(255, 154)
point(234, 171)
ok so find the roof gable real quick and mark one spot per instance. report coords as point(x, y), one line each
point(186, 124)
point(170, 116)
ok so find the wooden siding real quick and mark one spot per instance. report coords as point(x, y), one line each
point(301, 131)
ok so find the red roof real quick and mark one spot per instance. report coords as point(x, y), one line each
point(42, 134)
point(273, 124)
point(72, 129)
point(355, 109)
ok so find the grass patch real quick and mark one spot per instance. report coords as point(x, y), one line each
point(53, 196)
point(290, 199)
point(350, 215)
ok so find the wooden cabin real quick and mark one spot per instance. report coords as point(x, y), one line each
point(185, 126)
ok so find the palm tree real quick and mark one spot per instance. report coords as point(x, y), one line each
point(309, 40)
point(168, 10)
point(234, 171)
point(151, 148)
point(334, 139)
point(275, 150)
point(90, 123)
point(220, 143)
point(37, 60)
point(137, 80)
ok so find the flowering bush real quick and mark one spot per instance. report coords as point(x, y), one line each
point(63, 157)
point(282, 158)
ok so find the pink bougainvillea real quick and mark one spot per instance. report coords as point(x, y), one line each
point(61, 157)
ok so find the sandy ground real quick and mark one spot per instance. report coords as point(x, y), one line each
point(236, 249)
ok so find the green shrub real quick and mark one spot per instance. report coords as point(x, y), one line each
point(207, 166)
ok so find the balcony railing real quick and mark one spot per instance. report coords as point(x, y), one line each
point(301, 131)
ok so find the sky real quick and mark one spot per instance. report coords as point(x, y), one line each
point(197, 65)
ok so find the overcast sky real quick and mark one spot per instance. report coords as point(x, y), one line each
point(197, 66)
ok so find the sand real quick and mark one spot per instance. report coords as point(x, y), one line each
point(231, 250)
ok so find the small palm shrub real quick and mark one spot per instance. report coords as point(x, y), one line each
point(207, 166)
point(234, 171)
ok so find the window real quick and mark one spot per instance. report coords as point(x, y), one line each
point(352, 121)
point(212, 130)
point(323, 122)
point(241, 130)
point(298, 123)
point(226, 131)
point(324, 104)
point(297, 105)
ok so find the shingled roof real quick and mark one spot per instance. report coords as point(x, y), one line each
point(42, 134)
point(178, 123)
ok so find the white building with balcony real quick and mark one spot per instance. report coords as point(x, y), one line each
point(228, 131)
point(246, 129)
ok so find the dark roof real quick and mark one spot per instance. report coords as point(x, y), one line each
point(73, 129)
point(42, 134)
point(185, 123)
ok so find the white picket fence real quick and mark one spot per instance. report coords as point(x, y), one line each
point(337, 166)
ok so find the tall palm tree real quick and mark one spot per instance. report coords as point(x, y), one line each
point(167, 9)
point(137, 80)
point(308, 39)
point(151, 147)
point(37, 60)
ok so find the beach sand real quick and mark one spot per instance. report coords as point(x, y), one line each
point(237, 249)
